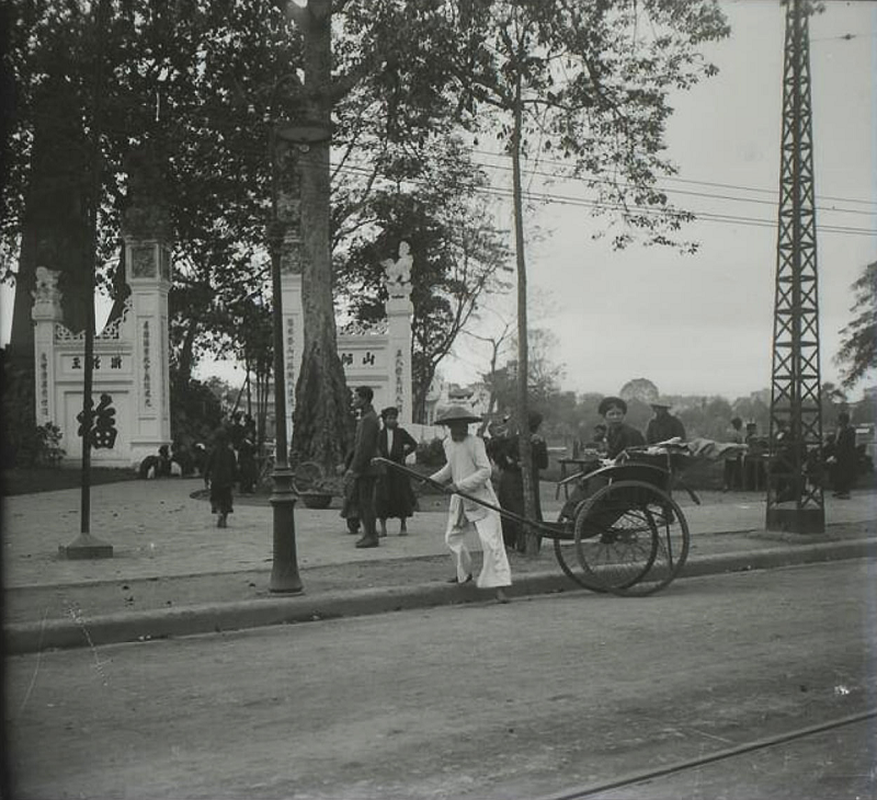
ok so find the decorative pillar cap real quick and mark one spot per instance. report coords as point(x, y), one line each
point(47, 296)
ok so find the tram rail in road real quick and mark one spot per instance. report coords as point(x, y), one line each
point(594, 790)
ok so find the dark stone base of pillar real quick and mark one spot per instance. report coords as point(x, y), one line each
point(796, 520)
point(85, 546)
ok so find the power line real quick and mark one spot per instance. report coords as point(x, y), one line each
point(555, 199)
point(216, 124)
point(675, 179)
point(686, 192)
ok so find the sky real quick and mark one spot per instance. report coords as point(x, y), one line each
point(702, 324)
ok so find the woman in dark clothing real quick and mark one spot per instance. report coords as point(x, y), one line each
point(618, 438)
point(393, 495)
point(220, 474)
point(618, 435)
point(507, 456)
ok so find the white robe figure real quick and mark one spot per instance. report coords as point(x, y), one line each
point(469, 469)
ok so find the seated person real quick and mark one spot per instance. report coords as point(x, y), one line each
point(618, 435)
point(664, 426)
point(618, 438)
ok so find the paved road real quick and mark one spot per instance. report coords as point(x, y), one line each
point(488, 701)
point(838, 764)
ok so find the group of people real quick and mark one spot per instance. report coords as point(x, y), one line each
point(372, 492)
point(613, 435)
point(838, 469)
point(470, 462)
point(377, 492)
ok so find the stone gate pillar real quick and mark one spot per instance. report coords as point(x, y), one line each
point(292, 254)
point(148, 271)
point(399, 313)
point(293, 337)
point(46, 312)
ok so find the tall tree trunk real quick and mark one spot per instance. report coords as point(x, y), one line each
point(55, 227)
point(321, 417)
point(186, 352)
point(121, 290)
point(422, 381)
point(532, 542)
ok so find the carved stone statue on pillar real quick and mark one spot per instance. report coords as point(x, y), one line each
point(397, 274)
point(47, 295)
point(397, 280)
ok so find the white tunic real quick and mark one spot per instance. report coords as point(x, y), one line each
point(469, 468)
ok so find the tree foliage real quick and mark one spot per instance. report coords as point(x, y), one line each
point(640, 389)
point(457, 256)
point(202, 83)
point(593, 81)
point(587, 83)
point(193, 81)
point(543, 380)
point(858, 349)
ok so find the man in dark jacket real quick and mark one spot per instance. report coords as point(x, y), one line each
point(663, 425)
point(844, 457)
point(361, 470)
point(511, 481)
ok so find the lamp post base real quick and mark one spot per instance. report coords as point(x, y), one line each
point(284, 571)
point(85, 546)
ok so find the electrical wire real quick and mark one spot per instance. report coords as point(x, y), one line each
point(676, 179)
point(555, 199)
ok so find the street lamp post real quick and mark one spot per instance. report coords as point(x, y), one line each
point(299, 135)
point(284, 570)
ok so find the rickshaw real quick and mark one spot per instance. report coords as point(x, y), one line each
point(629, 535)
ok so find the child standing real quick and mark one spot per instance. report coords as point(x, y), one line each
point(468, 469)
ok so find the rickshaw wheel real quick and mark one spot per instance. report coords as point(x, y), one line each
point(672, 546)
point(580, 578)
point(631, 538)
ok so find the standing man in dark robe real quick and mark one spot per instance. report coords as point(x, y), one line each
point(361, 470)
point(511, 481)
point(844, 458)
point(663, 425)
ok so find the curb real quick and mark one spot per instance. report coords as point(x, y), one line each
point(31, 637)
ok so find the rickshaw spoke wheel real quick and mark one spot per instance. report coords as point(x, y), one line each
point(562, 552)
point(631, 538)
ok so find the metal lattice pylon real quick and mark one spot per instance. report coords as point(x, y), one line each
point(794, 491)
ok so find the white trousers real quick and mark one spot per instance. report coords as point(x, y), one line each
point(495, 570)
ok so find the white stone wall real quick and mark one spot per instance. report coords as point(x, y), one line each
point(131, 362)
point(380, 360)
